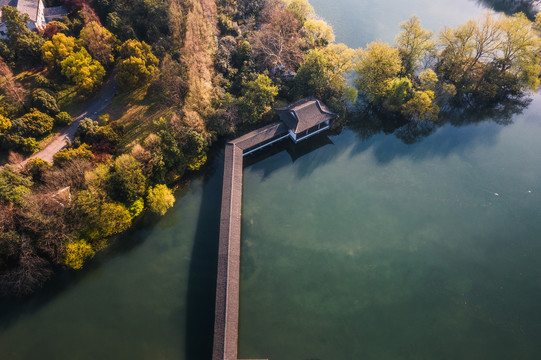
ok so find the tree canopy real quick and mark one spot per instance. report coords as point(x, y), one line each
point(160, 198)
point(86, 73)
point(137, 64)
point(378, 65)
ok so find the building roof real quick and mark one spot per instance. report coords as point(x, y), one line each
point(261, 135)
point(304, 114)
point(54, 12)
point(8, 2)
point(29, 7)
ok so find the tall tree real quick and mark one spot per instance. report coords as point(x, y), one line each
point(520, 48)
point(258, 97)
point(323, 72)
point(160, 198)
point(137, 64)
point(58, 49)
point(379, 64)
point(99, 41)
point(414, 43)
point(277, 44)
point(318, 32)
point(86, 73)
point(9, 85)
point(301, 9)
point(20, 45)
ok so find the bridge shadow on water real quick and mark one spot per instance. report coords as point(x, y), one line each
point(203, 268)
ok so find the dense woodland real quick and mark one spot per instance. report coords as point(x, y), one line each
point(190, 72)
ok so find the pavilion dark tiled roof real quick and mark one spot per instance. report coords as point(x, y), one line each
point(260, 135)
point(305, 114)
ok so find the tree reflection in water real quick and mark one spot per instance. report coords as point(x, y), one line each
point(528, 7)
point(366, 121)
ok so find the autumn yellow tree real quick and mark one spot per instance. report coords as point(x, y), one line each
point(414, 43)
point(76, 253)
point(58, 49)
point(378, 65)
point(137, 64)
point(5, 124)
point(86, 73)
point(160, 198)
point(318, 32)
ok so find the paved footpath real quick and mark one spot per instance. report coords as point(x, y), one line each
point(98, 103)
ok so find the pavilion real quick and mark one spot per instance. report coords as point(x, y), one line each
point(305, 118)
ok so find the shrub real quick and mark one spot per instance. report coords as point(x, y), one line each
point(66, 155)
point(136, 208)
point(62, 119)
point(127, 179)
point(36, 167)
point(5, 123)
point(160, 198)
point(29, 145)
point(76, 253)
point(44, 101)
point(36, 124)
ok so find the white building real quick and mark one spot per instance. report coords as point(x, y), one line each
point(38, 14)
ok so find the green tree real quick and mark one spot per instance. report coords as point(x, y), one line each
point(379, 64)
point(36, 123)
point(66, 155)
point(301, 9)
point(399, 94)
point(36, 167)
point(414, 43)
point(318, 32)
point(137, 64)
point(258, 97)
point(421, 107)
point(520, 50)
point(323, 72)
point(44, 101)
point(13, 185)
point(127, 179)
point(58, 49)
point(20, 45)
point(428, 80)
point(136, 208)
point(86, 73)
point(159, 199)
point(113, 218)
point(62, 119)
point(76, 253)
point(492, 57)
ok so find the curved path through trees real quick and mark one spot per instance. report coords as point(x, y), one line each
point(96, 105)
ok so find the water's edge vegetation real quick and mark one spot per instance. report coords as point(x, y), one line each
point(211, 70)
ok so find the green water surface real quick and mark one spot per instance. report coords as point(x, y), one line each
point(375, 249)
point(354, 246)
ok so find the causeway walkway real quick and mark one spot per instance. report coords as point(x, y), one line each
point(226, 323)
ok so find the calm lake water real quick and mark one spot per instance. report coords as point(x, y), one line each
point(354, 246)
